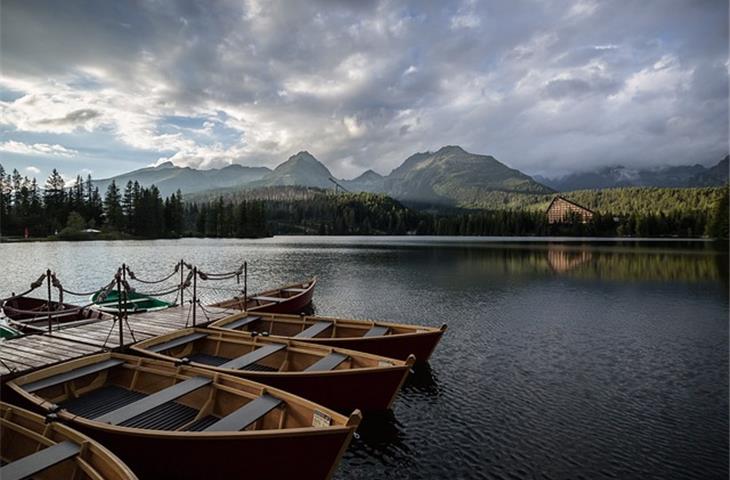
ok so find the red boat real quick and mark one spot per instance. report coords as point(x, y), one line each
point(393, 340)
point(292, 299)
point(31, 314)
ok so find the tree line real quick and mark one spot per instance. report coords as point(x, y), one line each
point(78, 211)
point(134, 211)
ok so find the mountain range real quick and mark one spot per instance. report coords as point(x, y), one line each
point(620, 176)
point(450, 176)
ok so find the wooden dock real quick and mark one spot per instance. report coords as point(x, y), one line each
point(22, 355)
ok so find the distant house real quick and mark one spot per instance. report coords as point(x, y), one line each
point(562, 210)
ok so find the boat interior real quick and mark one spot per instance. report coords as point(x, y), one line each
point(308, 327)
point(233, 350)
point(34, 448)
point(128, 391)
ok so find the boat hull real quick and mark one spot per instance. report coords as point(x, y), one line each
point(420, 344)
point(296, 304)
point(303, 456)
point(341, 390)
point(29, 312)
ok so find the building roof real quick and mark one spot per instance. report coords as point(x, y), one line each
point(560, 197)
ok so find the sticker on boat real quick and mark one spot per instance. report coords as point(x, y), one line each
point(320, 419)
point(384, 363)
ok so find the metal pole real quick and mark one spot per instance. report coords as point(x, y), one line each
point(182, 280)
point(119, 309)
point(48, 278)
point(195, 291)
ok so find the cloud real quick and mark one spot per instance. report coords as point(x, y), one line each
point(31, 170)
point(546, 87)
point(44, 149)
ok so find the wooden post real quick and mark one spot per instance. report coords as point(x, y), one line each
point(245, 283)
point(119, 309)
point(182, 280)
point(48, 278)
point(195, 291)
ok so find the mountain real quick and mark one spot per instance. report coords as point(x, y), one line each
point(168, 178)
point(369, 181)
point(300, 169)
point(619, 176)
point(454, 176)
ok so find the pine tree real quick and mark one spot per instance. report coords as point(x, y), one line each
point(114, 217)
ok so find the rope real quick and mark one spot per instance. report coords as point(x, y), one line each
point(33, 286)
point(134, 277)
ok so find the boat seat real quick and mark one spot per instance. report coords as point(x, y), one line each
point(246, 415)
point(314, 330)
point(176, 342)
point(376, 331)
point(262, 298)
point(253, 357)
point(294, 290)
point(71, 375)
point(149, 402)
point(39, 461)
point(329, 362)
point(241, 322)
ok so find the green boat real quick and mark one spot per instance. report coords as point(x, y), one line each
point(136, 303)
point(6, 331)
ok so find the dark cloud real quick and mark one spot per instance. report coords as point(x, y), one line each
point(544, 86)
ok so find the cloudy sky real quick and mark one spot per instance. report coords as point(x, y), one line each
point(545, 86)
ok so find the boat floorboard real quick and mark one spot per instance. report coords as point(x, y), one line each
point(24, 354)
point(101, 401)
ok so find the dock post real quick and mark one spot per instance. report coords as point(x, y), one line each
point(182, 280)
point(195, 291)
point(119, 309)
point(48, 278)
point(245, 283)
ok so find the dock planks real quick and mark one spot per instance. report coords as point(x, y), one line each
point(25, 354)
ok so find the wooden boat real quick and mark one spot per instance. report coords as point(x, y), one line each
point(175, 421)
point(293, 298)
point(393, 340)
point(337, 378)
point(135, 303)
point(34, 447)
point(29, 314)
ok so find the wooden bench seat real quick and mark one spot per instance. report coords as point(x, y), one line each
point(314, 330)
point(262, 298)
point(149, 402)
point(39, 461)
point(246, 415)
point(252, 357)
point(376, 331)
point(294, 290)
point(176, 342)
point(242, 322)
point(71, 375)
point(329, 362)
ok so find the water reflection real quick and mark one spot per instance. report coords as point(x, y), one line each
point(380, 440)
point(562, 260)
point(421, 381)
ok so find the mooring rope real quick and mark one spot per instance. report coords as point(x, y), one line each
point(151, 282)
point(33, 286)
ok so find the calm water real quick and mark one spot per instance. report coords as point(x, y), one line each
point(562, 360)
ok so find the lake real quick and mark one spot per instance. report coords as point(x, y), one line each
point(563, 358)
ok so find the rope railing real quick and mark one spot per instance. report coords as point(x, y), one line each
point(56, 310)
point(151, 282)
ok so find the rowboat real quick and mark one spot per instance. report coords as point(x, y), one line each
point(293, 298)
point(33, 447)
point(176, 421)
point(393, 340)
point(337, 378)
point(30, 314)
point(135, 303)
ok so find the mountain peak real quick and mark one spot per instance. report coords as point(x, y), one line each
point(300, 169)
point(451, 149)
point(164, 165)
